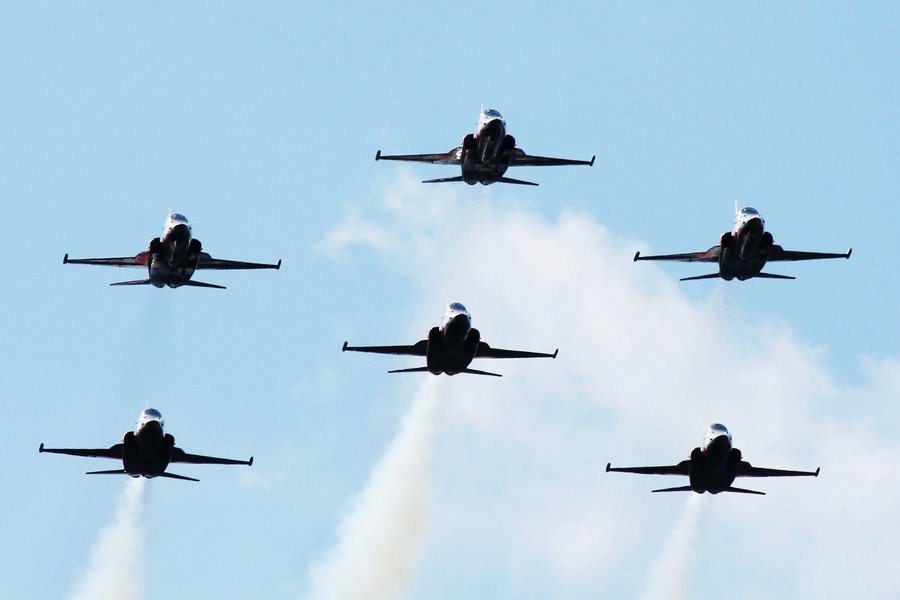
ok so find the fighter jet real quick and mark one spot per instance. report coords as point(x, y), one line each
point(171, 259)
point(714, 467)
point(485, 155)
point(146, 451)
point(451, 347)
point(743, 252)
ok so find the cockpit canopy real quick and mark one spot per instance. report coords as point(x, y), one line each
point(178, 218)
point(150, 414)
point(493, 114)
point(749, 211)
point(456, 307)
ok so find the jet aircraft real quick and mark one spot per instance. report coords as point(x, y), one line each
point(485, 155)
point(714, 467)
point(451, 347)
point(743, 252)
point(146, 451)
point(171, 259)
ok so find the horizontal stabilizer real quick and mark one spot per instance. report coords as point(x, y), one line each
point(110, 472)
point(773, 276)
point(192, 283)
point(174, 476)
point(743, 491)
point(696, 277)
point(683, 488)
point(413, 370)
point(477, 372)
point(443, 179)
point(516, 181)
point(135, 282)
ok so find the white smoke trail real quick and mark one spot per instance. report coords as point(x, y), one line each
point(672, 575)
point(115, 570)
point(379, 542)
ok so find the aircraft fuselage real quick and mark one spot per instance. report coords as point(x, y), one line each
point(714, 467)
point(744, 250)
point(147, 451)
point(172, 258)
point(487, 153)
point(452, 346)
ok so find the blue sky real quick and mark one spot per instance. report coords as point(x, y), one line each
point(260, 124)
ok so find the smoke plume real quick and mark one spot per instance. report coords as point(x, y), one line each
point(673, 574)
point(379, 540)
point(115, 569)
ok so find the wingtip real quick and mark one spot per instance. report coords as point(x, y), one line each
point(817, 471)
point(278, 265)
point(608, 465)
point(378, 155)
point(41, 447)
point(637, 255)
point(592, 160)
point(66, 258)
point(250, 462)
point(555, 352)
point(344, 347)
point(849, 252)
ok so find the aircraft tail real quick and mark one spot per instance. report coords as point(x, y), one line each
point(477, 372)
point(193, 283)
point(444, 179)
point(110, 472)
point(516, 181)
point(135, 282)
point(682, 488)
point(174, 476)
point(743, 491)
point(773, 276)
point(696, 277)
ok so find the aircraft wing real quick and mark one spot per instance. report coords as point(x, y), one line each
point(448, 158)
point(682, 468)
point(114, 451)
point(208, 262)
point(485, 351)
point(520, 159)
point(140, 260)
point(748, 470)
point(417, 349)
point(180, 456)
point(711, 255)
point(778, 253)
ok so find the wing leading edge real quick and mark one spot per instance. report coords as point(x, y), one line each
point(485, 351)
point(180, 456)
point(520, 159)
point(208, 262)
point(777, 253)
point(682, 468)
point(114, 451)
point(417, 349)
point(446, 158)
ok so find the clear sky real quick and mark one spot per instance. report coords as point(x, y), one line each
point(260, 123)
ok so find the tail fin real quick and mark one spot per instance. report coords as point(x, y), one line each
point(477, 372)
point(110, 472)
point(517, 181)
point(743, 491)
point(192, 283)
point(414, 370)
point(696, 277)
point(174, 476)
point(683, 488)
point(443, 179)
point(135, 282)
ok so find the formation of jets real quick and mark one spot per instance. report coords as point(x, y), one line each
point(483, 157)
